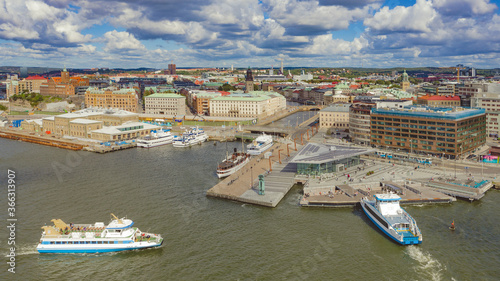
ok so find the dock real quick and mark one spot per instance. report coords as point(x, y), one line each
point(41, 140)
point(242, 186)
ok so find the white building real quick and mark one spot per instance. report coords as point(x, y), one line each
point(255, 104)
point(165, 104)
point(491, 103)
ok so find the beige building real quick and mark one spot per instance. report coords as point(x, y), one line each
point(165, 104)
point(82, 128)
point(124, 99)
point(30, 84)
point(491, 103)
point(126, 131)
point(80, 123)
point(335, 116)
point(256, 104)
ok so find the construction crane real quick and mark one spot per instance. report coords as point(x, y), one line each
point(458, 68)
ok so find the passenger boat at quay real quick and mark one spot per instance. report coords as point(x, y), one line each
point(190, 138)
point(156, 138)
point(118, 235)
point(260, 144)
point(232, 163)
point(386, 213)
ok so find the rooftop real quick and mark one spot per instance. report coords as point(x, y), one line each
point(450, 113)
point(314, 153)
point(165, 95)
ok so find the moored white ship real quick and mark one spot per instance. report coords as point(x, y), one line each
point(190, 138)
point(393, 220)
point(260, 144)
point(232, 163)
point(118, 235)
point(156, 138)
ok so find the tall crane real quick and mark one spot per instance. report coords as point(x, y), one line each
point(458, 68)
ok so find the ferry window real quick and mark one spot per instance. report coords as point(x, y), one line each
point(118, 231)
point(52, 242)
point(87, 242)
point(58, 242)
point(116, 242)
point(70, 242)
point(99, 242)
point(94, 242)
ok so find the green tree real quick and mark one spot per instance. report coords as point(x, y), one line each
point(227, 88)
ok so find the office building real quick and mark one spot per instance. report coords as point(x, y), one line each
point(430, 130)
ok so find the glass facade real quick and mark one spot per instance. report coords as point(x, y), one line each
point(328, 167)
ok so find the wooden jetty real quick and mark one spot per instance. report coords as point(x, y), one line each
point(41, 140)
point(242, 186)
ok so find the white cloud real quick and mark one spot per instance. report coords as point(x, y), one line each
point(301, 16)
point(416, 18)
point(121, 41)
point(464, 7)
point(327, 45)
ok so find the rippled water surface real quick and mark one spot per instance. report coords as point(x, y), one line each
point(163, 191)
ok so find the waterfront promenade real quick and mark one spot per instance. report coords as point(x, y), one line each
point(242, 186)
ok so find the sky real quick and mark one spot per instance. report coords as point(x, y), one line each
point(256, 33)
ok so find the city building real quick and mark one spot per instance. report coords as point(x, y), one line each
point(125, 131)
point(405, 83)
point(165, 104)
point(359, 116)
point(63, 86)
point(317, 159)
point(334, 117)
point(30, 84)
point(83, 123)
point(450, 131)
point(171, 69)
point(490, 102)
point(255, 104)
point(359, 122)
point(111, 97)
point(439, 101)
point(249, 81)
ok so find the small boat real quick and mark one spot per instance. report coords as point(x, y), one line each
point(156, 138)
point(260, 144)
point(189, 138)
point(393, 220)
point(118, 235)
point(232, 163)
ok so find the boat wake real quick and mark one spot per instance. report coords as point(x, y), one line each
point(427, 265)
point(24, 250)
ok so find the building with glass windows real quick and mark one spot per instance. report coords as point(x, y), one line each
point(317, 159)
point(449, 131)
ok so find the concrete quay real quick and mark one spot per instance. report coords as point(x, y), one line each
point(242, 186)
point(425, 184)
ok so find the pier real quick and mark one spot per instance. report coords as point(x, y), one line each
point(41, 140)
point(279, 178)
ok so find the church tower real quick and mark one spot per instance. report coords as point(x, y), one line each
point(405, 84)
point(249, 81)
point(64, 76)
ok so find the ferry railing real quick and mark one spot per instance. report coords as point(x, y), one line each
point(413, 224)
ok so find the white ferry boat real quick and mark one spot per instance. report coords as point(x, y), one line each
point(393, 220)
point(186, 140)
point(118, 235)
point(260, 144)
point(199, 134)
point(156, 138)
point(232, 163)
point(190, 138)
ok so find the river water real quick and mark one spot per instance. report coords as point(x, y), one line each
point(163, 191)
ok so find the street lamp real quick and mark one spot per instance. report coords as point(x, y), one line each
point(251, 177)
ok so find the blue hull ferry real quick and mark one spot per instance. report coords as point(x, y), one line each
point(118, 235)
point(393, 220)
